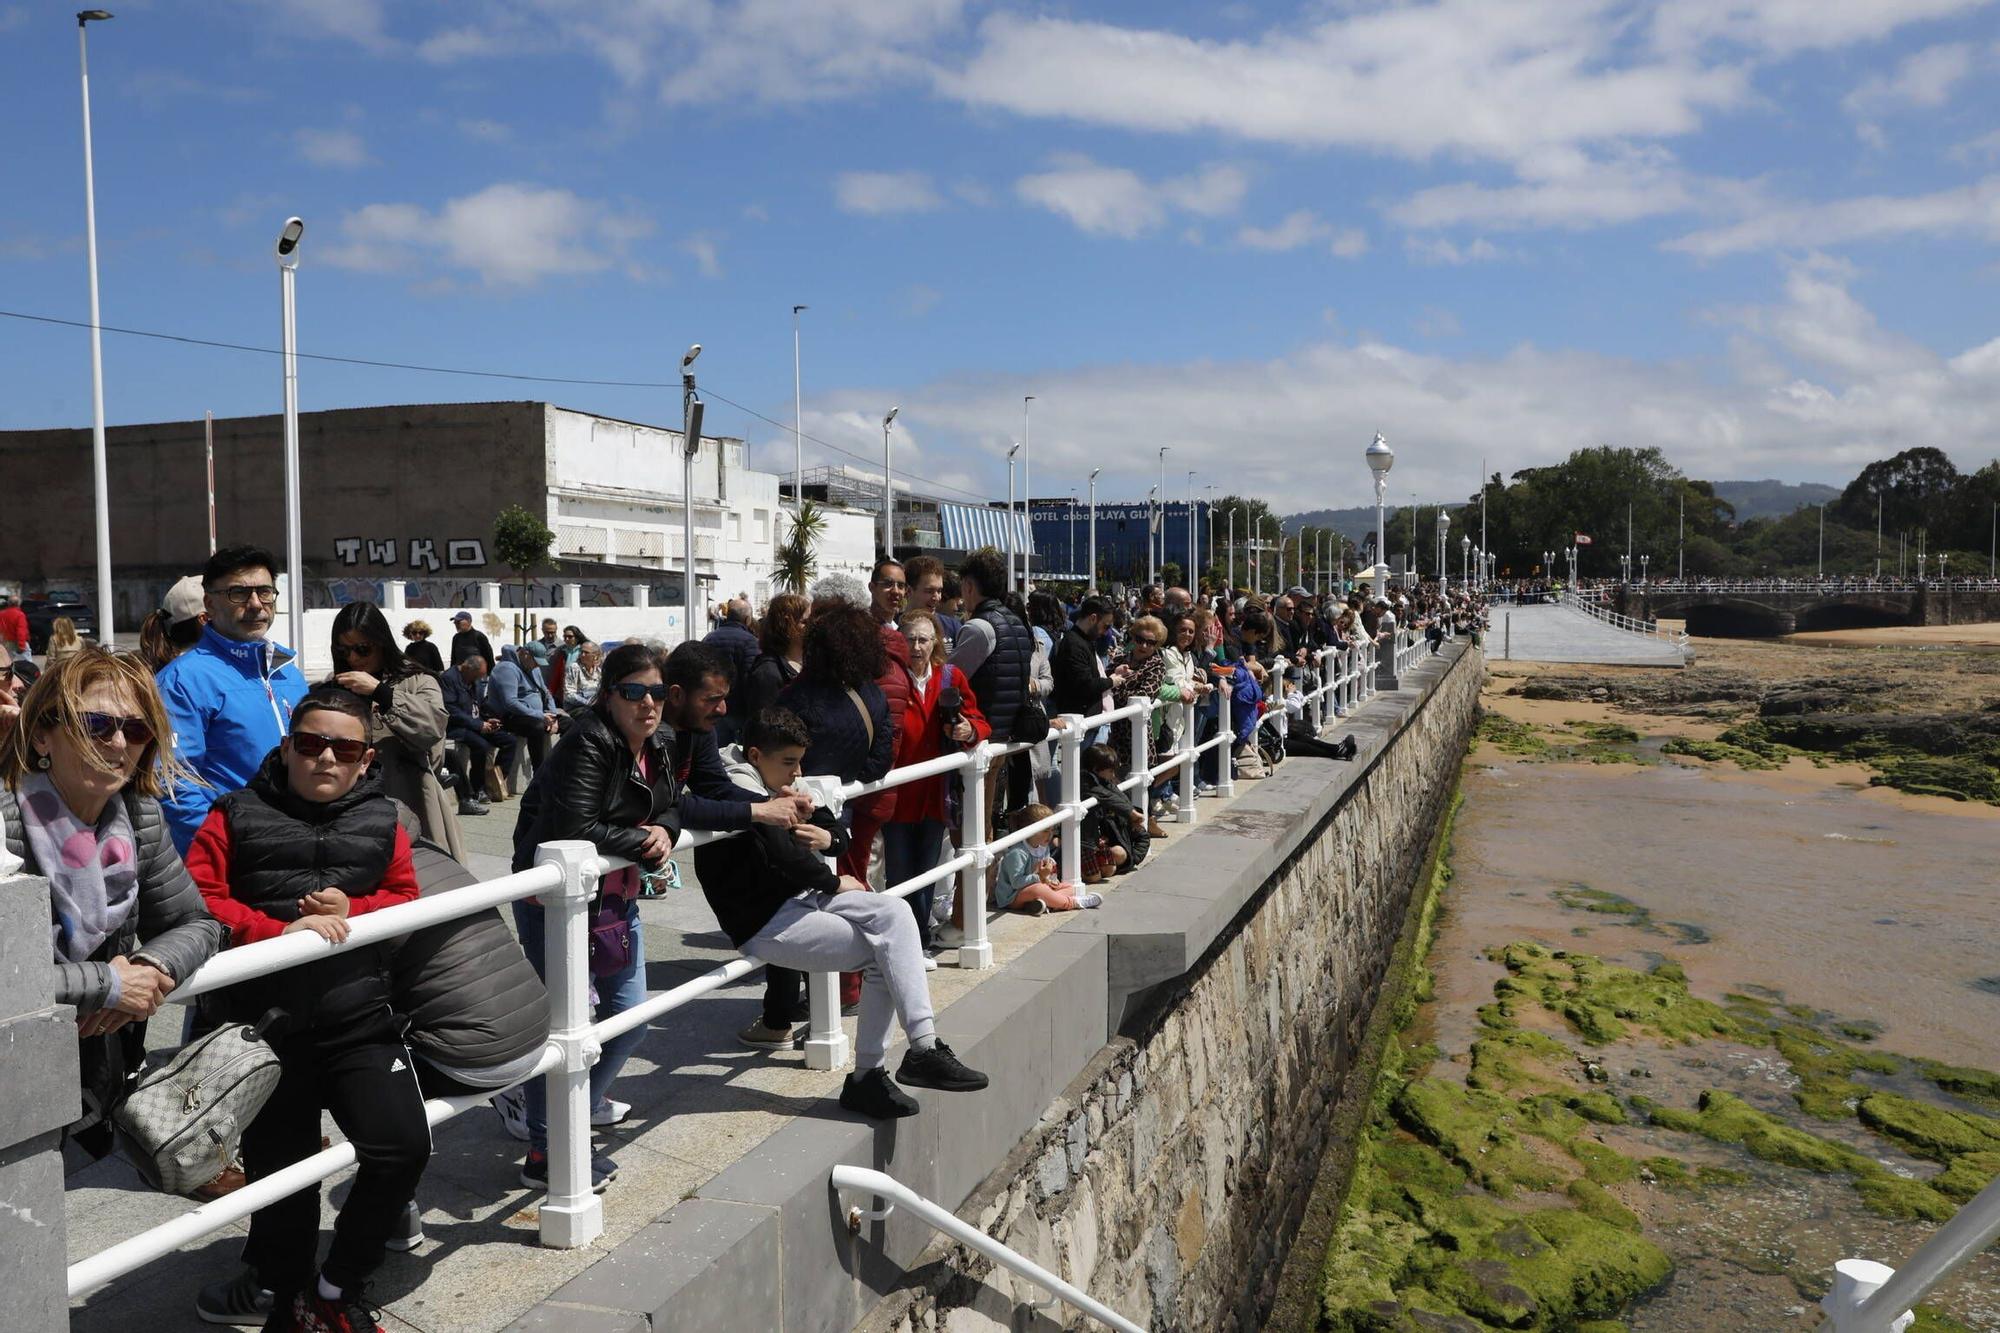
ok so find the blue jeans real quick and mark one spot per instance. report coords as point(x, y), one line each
point(908, 850)
point(617, 992)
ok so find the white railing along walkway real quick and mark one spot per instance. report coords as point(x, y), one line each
point(565, 877)
point(1594, 607)
point(862, 1180)
point(1869, 1297)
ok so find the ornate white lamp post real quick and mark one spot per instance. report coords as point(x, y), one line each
point(1380, 459)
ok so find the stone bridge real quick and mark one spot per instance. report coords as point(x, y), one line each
point(1748, 610)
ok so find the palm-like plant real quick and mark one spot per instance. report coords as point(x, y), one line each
point(797, 560)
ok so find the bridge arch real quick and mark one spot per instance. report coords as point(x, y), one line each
point(1732, 618)
point(1850, 614)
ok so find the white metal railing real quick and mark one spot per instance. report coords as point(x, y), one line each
point(1869, 1297)
point(565, 877)
point(862, 1180)
point(1344, 680)
point(1595, 608)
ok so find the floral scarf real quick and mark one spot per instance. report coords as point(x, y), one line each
point(93, 873)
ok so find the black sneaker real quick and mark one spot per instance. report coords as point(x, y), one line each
point(535, 1172)
point(409, 1232)
point(1346, 749)
point(242, 1299)
point(1033, 907)
point(874, 1094)
point(938, 1068)
point(471, 808)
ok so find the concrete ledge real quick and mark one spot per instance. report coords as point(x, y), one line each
point(764, 1244)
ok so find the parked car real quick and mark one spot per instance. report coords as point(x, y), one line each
point(43, 609)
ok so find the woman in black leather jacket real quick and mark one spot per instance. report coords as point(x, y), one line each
point(610, 781)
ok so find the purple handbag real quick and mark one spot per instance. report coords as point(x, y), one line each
point(610, 925)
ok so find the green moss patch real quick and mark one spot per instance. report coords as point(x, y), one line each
point(1929, 1131)
point(1602, 1002)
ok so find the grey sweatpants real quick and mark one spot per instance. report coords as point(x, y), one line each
point(856, 932)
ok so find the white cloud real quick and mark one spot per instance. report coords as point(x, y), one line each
point(707, 261)
point(332, 148)
point(1923, 79)
point(1116, 201)
point(1497, 80)
point(508, 234)
point(1303, 227)
point(1985, 148)
point(1781, 27)
point(884, 193)
point(1787, 400)
point(363, 22)
point(1439, 250)
point(1967, 208)
point(1576, 190)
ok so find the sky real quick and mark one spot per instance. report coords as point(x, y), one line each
point(1763, 236)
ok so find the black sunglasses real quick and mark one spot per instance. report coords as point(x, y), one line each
point(311, 744)
point(103, 726)
point(632, 693)
point(353, 649)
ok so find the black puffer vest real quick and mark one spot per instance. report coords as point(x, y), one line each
point(281, 848)
point(1001, 683)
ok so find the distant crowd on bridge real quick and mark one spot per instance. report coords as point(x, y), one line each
point(201, 794)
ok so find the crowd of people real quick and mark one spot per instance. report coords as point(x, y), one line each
point(201, 794)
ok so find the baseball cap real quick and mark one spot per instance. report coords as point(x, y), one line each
point(1296, 591)
point(183, 600)
point(466, 616)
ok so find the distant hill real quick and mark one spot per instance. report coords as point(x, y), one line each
point(1772, 499)
point(1752, 499)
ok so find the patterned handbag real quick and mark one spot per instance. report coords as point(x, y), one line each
point(184, 1121)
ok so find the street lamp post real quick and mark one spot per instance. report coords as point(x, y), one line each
point(1645, 563)
point(1163, 510)
point(1193, 552)
point(1153, 551)
point(1444, 543)
point(1092, 576)
point(100, 469)
point(1380, 459)
point(295, 573)
point(888, 490)
point(690, 446)
point(1011, 542)
point(1232, 549)
point(1464, 557)
point(1072, 529)
point(798, 418)
point(1027, 495)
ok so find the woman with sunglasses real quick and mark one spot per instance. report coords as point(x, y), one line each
point(1138, 673)
point(80, 778)
point(611, 782)
point(407, 720)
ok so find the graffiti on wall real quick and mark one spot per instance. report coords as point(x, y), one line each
point(459, 552)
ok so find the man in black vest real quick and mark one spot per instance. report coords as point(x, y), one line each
point(996, 651)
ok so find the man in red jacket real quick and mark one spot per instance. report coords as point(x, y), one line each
point(13, 627)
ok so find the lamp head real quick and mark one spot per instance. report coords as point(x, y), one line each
point(692, 353)
point(891, 417)
point(1094, 471)
point(91, 16)
point(1013, 449)
point(797, 308)
point(1380, 456)
point(288, 242)
point(1444, 522)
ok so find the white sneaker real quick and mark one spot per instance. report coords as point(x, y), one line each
point(947, 936)
point(930, 963)
point(610, 1111)
point(512, 1106)
point(1088, 900)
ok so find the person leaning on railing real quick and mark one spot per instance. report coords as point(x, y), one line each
point(82, 771)
point(611, 781)
point(943, 715)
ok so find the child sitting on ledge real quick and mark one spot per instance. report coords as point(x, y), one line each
point(1027, 881)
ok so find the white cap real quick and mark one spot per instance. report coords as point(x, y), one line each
point(184, 600)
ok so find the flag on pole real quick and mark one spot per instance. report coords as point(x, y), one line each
point(1583, 539)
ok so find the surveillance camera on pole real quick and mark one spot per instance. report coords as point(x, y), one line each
point(287, 253)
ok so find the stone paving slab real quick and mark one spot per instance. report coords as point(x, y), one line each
point(1557, 633)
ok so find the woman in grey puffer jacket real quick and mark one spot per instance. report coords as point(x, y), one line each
point(79, 785)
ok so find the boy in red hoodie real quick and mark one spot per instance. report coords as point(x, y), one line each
point(311, 842)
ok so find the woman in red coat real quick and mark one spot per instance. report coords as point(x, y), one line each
point(941, 712)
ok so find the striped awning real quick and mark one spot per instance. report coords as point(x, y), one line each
point(969, 527)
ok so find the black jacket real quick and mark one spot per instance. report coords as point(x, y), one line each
point(1079, 684)
point(759, 689)
point(1001, 682)
point(1111, 819)
point(590, 788)
point(469, 641)
point(841, 743)
point(425, 654)
point(747, 878)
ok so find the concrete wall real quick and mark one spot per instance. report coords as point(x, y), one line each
point(37, 1097)
point(1162, 1070)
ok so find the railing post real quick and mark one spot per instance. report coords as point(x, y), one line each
point(1854, 1281)
point(826, 1040)
point(1225, 763)
point(1188, 776)
point(1142, 757)
point(1069, 782)
point(975, 951)
point(572, 1215)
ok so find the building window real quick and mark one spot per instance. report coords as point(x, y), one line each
point(735, 526)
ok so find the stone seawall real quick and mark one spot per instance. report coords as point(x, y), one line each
point(1169, 1178)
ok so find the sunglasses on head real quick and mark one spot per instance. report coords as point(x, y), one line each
point(103, 726)
point(311, 744)
point(632, 693)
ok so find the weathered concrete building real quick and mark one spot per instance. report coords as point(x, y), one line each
point(406, 492)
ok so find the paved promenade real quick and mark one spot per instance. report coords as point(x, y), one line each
point(1563, 634)
point(701, 1101)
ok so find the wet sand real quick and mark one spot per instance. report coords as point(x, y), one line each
point(1985, 635)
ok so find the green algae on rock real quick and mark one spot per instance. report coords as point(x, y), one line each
point(1599, 999)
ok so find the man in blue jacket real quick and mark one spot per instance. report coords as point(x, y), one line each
point(739, 645)
point(517, 696)
point(230, 696)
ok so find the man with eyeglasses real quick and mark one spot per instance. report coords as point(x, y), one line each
point(230, 696)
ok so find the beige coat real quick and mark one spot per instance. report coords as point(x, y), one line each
point(409, 745)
